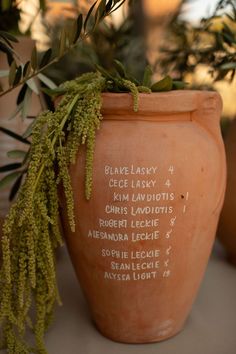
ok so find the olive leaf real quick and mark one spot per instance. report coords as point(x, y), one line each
point(33, 85)
point(71, 32)
point(120, 3)
point(9, 36)
point(100, 12)
point(54, 92)
point(14, 135)
point(165, 84)
point(178, 85)
point(62, 43)
point(79, 26)
point(27, 69)
point(87, 19)
point(4, 73)
point(16, 154)
point(147, 76)
point(26, 104)
point(109, 6)
point(5, 48)
point(46, 58)
point(21, 94)
point(12, 73)
point(48, 82)
point(8, 51)
point(29, 129)
point(120, 68)
point(6, 41)
point(104, 72)
point(34, 59)
point(15, 187)
point(10, 167)
point(9, 178)
point(18, 75)
point(26, 159)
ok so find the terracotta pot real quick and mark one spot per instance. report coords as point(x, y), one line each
point(142, 242)
point(227, 224)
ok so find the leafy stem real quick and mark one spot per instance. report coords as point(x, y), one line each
point(56, 136)
point(40, 70)
point(20, 74)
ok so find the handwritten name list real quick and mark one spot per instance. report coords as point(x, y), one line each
point(141, 206)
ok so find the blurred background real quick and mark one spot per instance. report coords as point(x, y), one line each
point(191, 40)
point(171, 35)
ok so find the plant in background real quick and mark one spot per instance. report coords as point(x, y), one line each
point(124, 41)
point(213, 43)
point(9, 16)
point(23, 75)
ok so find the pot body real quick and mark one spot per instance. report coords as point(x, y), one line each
point(227, 224)
point(143, 240)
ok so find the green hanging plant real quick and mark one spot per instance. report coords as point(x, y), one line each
point(31, 232)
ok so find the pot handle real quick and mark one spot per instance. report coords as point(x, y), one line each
point(208, 115)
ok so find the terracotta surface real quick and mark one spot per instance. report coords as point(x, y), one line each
point(159, 182)
point(227, 224)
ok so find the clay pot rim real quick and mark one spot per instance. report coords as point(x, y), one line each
point(160, 102)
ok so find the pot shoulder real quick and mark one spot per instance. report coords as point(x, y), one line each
point(162, 102)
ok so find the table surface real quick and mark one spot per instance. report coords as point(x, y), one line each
point(210, 329)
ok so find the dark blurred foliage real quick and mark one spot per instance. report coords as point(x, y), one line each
point(108, 42)
point(9, 16)
point(212, 42)
point(24, 74)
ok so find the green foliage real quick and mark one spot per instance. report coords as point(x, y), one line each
point(107, 41)
point(80, 30)
point(117, 80)
point(163, 85)
point(212, 42)
point(31, 231)
point(24, 74)
point(14, 135)
point(9, 15)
